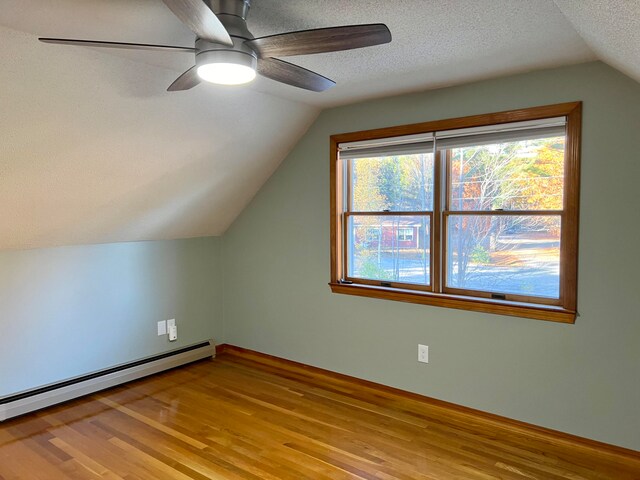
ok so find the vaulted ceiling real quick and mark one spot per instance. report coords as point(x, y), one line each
point(93, 149)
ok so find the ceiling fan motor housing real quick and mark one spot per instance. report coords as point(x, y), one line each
point(239, 8)
point(232, 14)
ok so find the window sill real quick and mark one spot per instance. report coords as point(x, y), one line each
point(525, 310)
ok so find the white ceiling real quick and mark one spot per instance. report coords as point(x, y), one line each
point(93, 148)
point(611, 28)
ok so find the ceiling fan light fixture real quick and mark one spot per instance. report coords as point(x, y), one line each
point(226, 73)
point(226, 67)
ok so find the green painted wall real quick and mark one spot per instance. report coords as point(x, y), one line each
point(582, 378)
point(71, 310)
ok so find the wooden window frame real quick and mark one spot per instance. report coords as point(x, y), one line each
point(564, 310)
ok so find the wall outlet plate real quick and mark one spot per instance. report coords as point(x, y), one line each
point(423, 353)
point(162, 327)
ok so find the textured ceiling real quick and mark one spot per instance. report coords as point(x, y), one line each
point(94, 150)
point(611, 28)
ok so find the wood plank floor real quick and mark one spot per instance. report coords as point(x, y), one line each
point(234, 418)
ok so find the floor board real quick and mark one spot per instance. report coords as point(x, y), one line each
point(233, 418)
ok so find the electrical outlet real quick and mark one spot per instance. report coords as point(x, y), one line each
point(162, 328)
point(423, 353)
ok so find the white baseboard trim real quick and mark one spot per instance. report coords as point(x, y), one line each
point(38, 398)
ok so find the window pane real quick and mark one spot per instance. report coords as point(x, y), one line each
point(396, 183)
point(390, 248)
point(504, 254)
point(523, 175)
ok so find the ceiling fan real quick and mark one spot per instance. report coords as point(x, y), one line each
point(227, 53)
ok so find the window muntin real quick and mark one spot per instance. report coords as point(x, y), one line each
point(521, 257)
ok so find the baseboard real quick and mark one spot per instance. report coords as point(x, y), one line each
point(517, 426)
point(221, 348)
point(52, 394)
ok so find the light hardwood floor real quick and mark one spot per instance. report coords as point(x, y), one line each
point(235, 418)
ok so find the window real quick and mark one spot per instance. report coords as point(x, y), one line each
point(405, 235)
point(477, 213)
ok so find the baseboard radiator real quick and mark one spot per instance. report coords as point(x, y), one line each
point(41, 397)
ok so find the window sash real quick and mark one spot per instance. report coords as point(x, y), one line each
point(448, 181)
point(392, 284)
point(492, 294)
point(348, 167)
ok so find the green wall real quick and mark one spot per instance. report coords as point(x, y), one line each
point(71, 310)
point(582, 379)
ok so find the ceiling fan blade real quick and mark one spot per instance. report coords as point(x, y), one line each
point(320, 40)
point(291, 74)
point(186, 81)
point(196, 15)
point(125, 46)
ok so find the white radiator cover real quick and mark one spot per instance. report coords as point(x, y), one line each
point(38, 398)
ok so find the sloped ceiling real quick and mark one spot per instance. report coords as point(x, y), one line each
point(93, 149)
point(611, 28)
